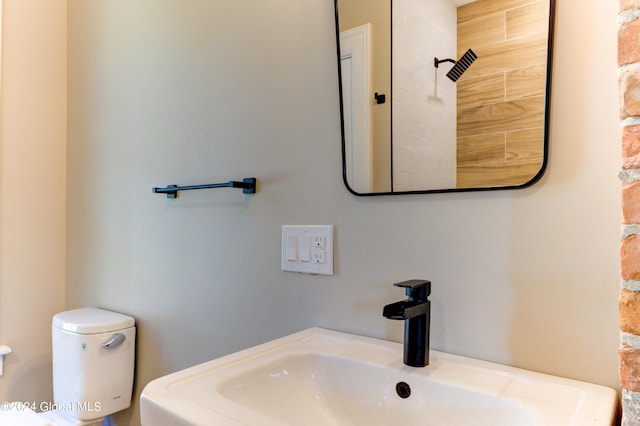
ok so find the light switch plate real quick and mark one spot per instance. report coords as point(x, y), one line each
point(321, 260)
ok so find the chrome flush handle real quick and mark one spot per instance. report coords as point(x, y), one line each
point(114, 341)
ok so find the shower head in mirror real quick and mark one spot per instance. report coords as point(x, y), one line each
point(460, 66)
point(435, 134)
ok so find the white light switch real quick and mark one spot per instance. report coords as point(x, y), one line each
point(292, 248)
point(307, 249)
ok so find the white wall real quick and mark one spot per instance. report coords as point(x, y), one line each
point(424, 99)
point(189, 92)
point(32, 192)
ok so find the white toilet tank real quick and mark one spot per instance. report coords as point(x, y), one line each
point(93, 361)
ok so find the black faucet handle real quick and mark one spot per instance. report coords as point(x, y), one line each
point(417, 290)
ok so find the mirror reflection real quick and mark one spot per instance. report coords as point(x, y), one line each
point(443, 95)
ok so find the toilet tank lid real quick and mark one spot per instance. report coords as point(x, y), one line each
point(91, 321)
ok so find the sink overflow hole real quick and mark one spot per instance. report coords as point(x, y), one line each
point(403, 390)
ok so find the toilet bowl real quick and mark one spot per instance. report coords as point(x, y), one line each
point(57, 418)
point(15, 414)
point(93, 359)
point(20, 415)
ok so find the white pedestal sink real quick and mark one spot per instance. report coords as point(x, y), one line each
point(322, 377)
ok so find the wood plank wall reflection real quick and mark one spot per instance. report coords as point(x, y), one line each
point(501, 97)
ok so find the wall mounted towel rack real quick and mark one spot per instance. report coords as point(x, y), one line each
point(248, 186)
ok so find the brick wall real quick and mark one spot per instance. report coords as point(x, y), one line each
point(629, 79)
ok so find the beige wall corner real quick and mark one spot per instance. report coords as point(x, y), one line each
point(32, 192)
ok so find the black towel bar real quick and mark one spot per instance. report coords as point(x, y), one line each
point(248, 186)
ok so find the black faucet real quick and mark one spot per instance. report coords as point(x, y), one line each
point(416, 311)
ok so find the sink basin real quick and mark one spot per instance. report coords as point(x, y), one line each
point(323, 377)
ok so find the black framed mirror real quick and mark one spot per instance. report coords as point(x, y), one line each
point(444, 95)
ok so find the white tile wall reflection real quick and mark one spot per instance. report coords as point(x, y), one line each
point(424, 100)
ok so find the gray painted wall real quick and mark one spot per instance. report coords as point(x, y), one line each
point(188, 92)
